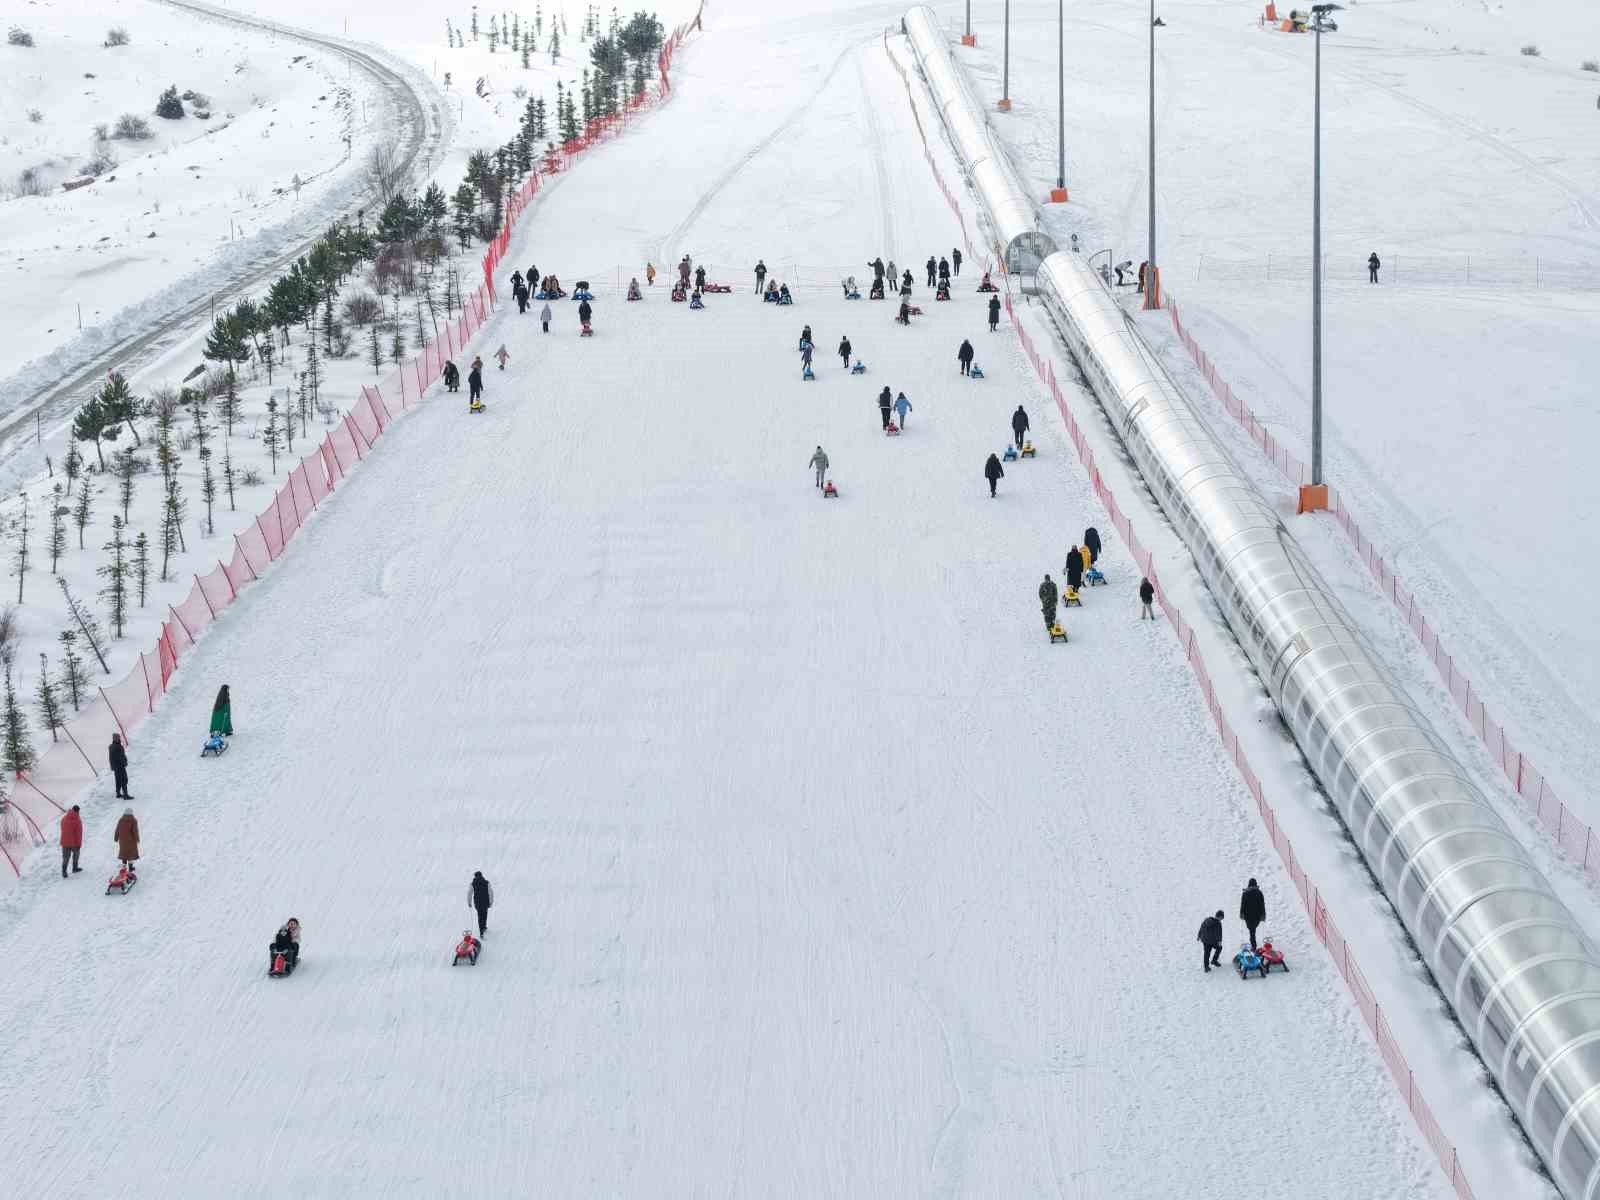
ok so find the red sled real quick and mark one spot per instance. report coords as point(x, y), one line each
point(829, 492)
point(122, 880)
point(467, 948)
point(891, 429)
point(716, 287)
point(587, 331)
point(1271, 958)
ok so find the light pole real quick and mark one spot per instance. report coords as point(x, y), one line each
point(1005, 64)
point(1058, 194)
point(1316, 496)
point(1152, 277)
point(966, 38)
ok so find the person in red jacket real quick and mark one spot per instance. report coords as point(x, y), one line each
point(71, 839)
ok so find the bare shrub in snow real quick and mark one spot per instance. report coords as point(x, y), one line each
point(384, 171)
point(197, 99)
point(35, 115)
point(31, 183)
point(1591, 64)
point(102, 132)
point(19, 36)
point(117, 36)
point(99, 163)
point(250, 477)
point(131, 127)
point(362, 309)
point(1530, 51)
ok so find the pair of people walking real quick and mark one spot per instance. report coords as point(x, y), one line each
point(126, 836)
point(1252, 911)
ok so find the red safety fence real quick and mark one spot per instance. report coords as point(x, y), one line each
point(66, 767)
point(1573, 836)
point(1322, 922)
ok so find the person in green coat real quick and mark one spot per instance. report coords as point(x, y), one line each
point(1048, 595)
point(222, 714)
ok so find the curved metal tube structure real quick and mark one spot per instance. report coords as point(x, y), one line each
point(1516, 967)
point(1012, 217)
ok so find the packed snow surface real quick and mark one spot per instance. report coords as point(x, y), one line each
point(819, 870)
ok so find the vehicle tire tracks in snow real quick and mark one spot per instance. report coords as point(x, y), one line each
point(675, 238)
point(419, 136)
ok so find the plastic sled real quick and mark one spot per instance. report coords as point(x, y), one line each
point(635, 296)
point(829, 492)
point(124, 879)
point(1248, 960)
point(587, 331)
point(679, 295)
point(475, 406)
point(1010, 454)
point(697, 303)
point(942, 294)
point(1094, 578)
point(1270, 957)
point(860, 368)
point(468, 949)
point(215, 745)
point(716, 287)
point(583, 295)
point(876, 294)
point(1027, 450)
point(1070, 597)
point(1057, 634)
point(807, 373)
point(891, 429)
point(280, 963)
point(976, 372)
point(785, 299)
point(852, 295)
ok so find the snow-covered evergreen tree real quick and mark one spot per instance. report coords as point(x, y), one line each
point(83, 620)
point(47, 701)
point(115, 573)
point(17, 743)
point(24, 524)
point(74, 680)
point(83, 509)
point(141, 565)
point(58, 526)
point(270, 436)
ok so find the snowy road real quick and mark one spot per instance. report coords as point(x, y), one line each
point(415, 122)
point(820, 872)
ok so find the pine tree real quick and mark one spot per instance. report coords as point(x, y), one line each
point(141, 565)
point(84, 620)
point(303, 406)
point(24, 523)
point(49, 703)
point(208, 483)
point(228, 406)
point(74, 464)
point(124, 464)
point(555, 46)
point(90, 424)
point(313, 373)
point(474, 22)
point(374, 349)
point(58, 526)
point(227, 475)
point(270, 436)
point(18, 753)
point(115, 573)
point(266, 354)
point(397, 345)
point(73, 679)
point(81, 511)
point(526, 65)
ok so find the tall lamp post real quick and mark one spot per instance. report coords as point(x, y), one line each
point(1315, 496)
point(1152, 280)
point(1005, 65)
point(1058, 194)
point(966, 38)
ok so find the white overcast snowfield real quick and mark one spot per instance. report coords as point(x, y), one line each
point(819, 871)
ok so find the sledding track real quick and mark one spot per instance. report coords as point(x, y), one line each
point(807, 846)
point(418, 127)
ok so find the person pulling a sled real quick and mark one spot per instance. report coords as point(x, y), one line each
point(885, 404)
point(819, 460)
point(475, 384)
point(1019, 425)
point(1252, 909)
point(844, 352)
point(480, 897)
point(965, 355)
point(1048, 595)
point(127, 839)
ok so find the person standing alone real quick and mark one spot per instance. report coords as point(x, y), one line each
point(1372, 267)
point(993, 472)
point(118, 757)
point(480, 896)
point(1210, 939)
point(71, 839)
point(1252, 909)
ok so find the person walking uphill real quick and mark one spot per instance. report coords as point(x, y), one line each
point(1047, 601)
point(994, 313)
point(844, 352)
point(1019, 425)
point(222, 710)
point(544, 318)
point(584, 312)
point(480, 895)
point(932, 269)
point(955, 260)
point(474, 382)
point(819, 460)
point(1091, 540)
point(118, 757)
point(1210, 939)
point(885, 403)
point(71, 839)
point(1252, 909)
point(965, 356)
point(1147, 596)
point(127, 838)
point(761, 274)
point(901, 407)
point(1074, 568)
point(993, 472)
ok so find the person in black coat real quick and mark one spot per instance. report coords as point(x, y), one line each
point(761, 274)
point(1091, 539)
point(932, 269)
point(480, 896)
point(584, 311)
point(1210, 939)
point(844, 352)
point(877, 270)
point(885, 402)
point(452, 376)
point(955, 260)
point(520, 295)
point(965, 356)
point(1147, 596)
point(944, 270)
point(118, 756)
point(1074, 568)
point(994, 313)
point(533, 277)
point(1019, 425)
point(475, 381)
point(1252, 909)
point(905, 283)
point(700, 278)
point(1372, 267)
point(993, 472)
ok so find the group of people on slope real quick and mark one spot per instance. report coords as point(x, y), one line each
point(1252, 911)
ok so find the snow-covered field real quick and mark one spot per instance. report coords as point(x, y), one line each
point(819, 871)
point(1458, 392)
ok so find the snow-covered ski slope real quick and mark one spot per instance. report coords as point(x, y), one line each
point(819, 871)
